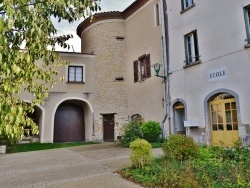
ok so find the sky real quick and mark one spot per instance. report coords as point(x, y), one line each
point(65, 28)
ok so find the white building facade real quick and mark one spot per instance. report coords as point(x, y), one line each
point(209, 63)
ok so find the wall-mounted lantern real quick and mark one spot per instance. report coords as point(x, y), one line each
point(157, 67)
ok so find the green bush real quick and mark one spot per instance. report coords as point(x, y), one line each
point(141, 153)
point(131, 133)
point(180, 147)
point(150, 131)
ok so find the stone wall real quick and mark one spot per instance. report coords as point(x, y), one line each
point(105, 40)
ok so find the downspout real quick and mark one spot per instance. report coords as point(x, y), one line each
point(165, 41)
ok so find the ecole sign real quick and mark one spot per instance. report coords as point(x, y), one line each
point(217, 74)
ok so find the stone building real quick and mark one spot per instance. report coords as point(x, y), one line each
point(111, 81)
point(125, 44)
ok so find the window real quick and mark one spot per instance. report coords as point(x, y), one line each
point(157, 15)
point(142, 68)
point(75, 74)
point(191, 48)
point(247, 20)
point(186, 4)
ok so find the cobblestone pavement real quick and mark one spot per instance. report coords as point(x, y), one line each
point(91, 166)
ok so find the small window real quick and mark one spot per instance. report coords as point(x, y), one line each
point(142, 68)
point(75, 74)
point(247, 21)
point(157, 15)
point(186, 4)
point(191, 48)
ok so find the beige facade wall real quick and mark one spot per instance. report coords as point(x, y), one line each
point(144, 37)
point(111, 94)
point(221, 33)
point(82, 94)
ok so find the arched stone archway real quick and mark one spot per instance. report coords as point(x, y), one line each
point(69, 124)
point(178, 107)
point(222, 117)
point(179, 111)
point(38, 118)
point(73, 121)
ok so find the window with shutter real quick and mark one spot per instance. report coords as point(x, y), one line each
point(142, 68)
point(186, 4)
point(191, 47)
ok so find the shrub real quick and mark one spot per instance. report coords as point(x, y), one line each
point(151, 131)
point(177, 174)
point(131, 133)
point(180, 147)
point(141, 153)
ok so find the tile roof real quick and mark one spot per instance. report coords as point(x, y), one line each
point(110, 15)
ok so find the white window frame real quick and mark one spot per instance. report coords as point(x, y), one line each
point(187, 3)
point(191, 48)
point(247, 22)
point(83, 73)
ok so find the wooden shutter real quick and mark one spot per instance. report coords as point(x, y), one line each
point(182, 4)
point(196, 47)
point(148, 66)
point(136, 78)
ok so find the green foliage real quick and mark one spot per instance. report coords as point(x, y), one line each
point(141, 153)
point(27, 35)
point(177, 174)
point(151, 131)
point(211, 168)
point(131, 133)
point(180, 147)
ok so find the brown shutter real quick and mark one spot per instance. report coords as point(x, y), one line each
point(135, 71)
point(148, 66)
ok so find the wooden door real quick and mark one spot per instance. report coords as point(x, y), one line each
point(224, 123)
point(108, 127)
point(69, 123)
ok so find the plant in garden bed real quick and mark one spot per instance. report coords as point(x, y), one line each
point(149, 131)
point(180, 147)
point(210, 167)
point(141, 153)
point(131, 133)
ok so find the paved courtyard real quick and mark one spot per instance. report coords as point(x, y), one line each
point(91, 166)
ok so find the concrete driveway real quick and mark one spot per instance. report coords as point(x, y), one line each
point(91, 166)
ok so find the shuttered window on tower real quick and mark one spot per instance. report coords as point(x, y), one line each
point(142, 68)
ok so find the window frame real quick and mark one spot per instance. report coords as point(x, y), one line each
point(157, 14)
point(192, 55)
point(142, 68)
point(187, 4)
point(246, 11)
point(82, 73)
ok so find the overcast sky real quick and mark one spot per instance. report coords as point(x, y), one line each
point(66, 28)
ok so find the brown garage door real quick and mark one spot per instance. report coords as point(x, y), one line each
point(69, 123)
point(108, 127)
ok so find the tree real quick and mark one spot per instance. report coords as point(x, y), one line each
point(27, 35)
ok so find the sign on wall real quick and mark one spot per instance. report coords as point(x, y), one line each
point(191, 123)
point(217, 74)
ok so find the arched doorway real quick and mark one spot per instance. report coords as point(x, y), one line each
point(179, 118)
point(69, 124)
point(37, 118)
point(223, 119)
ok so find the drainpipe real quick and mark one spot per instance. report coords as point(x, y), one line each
point(165, 44)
